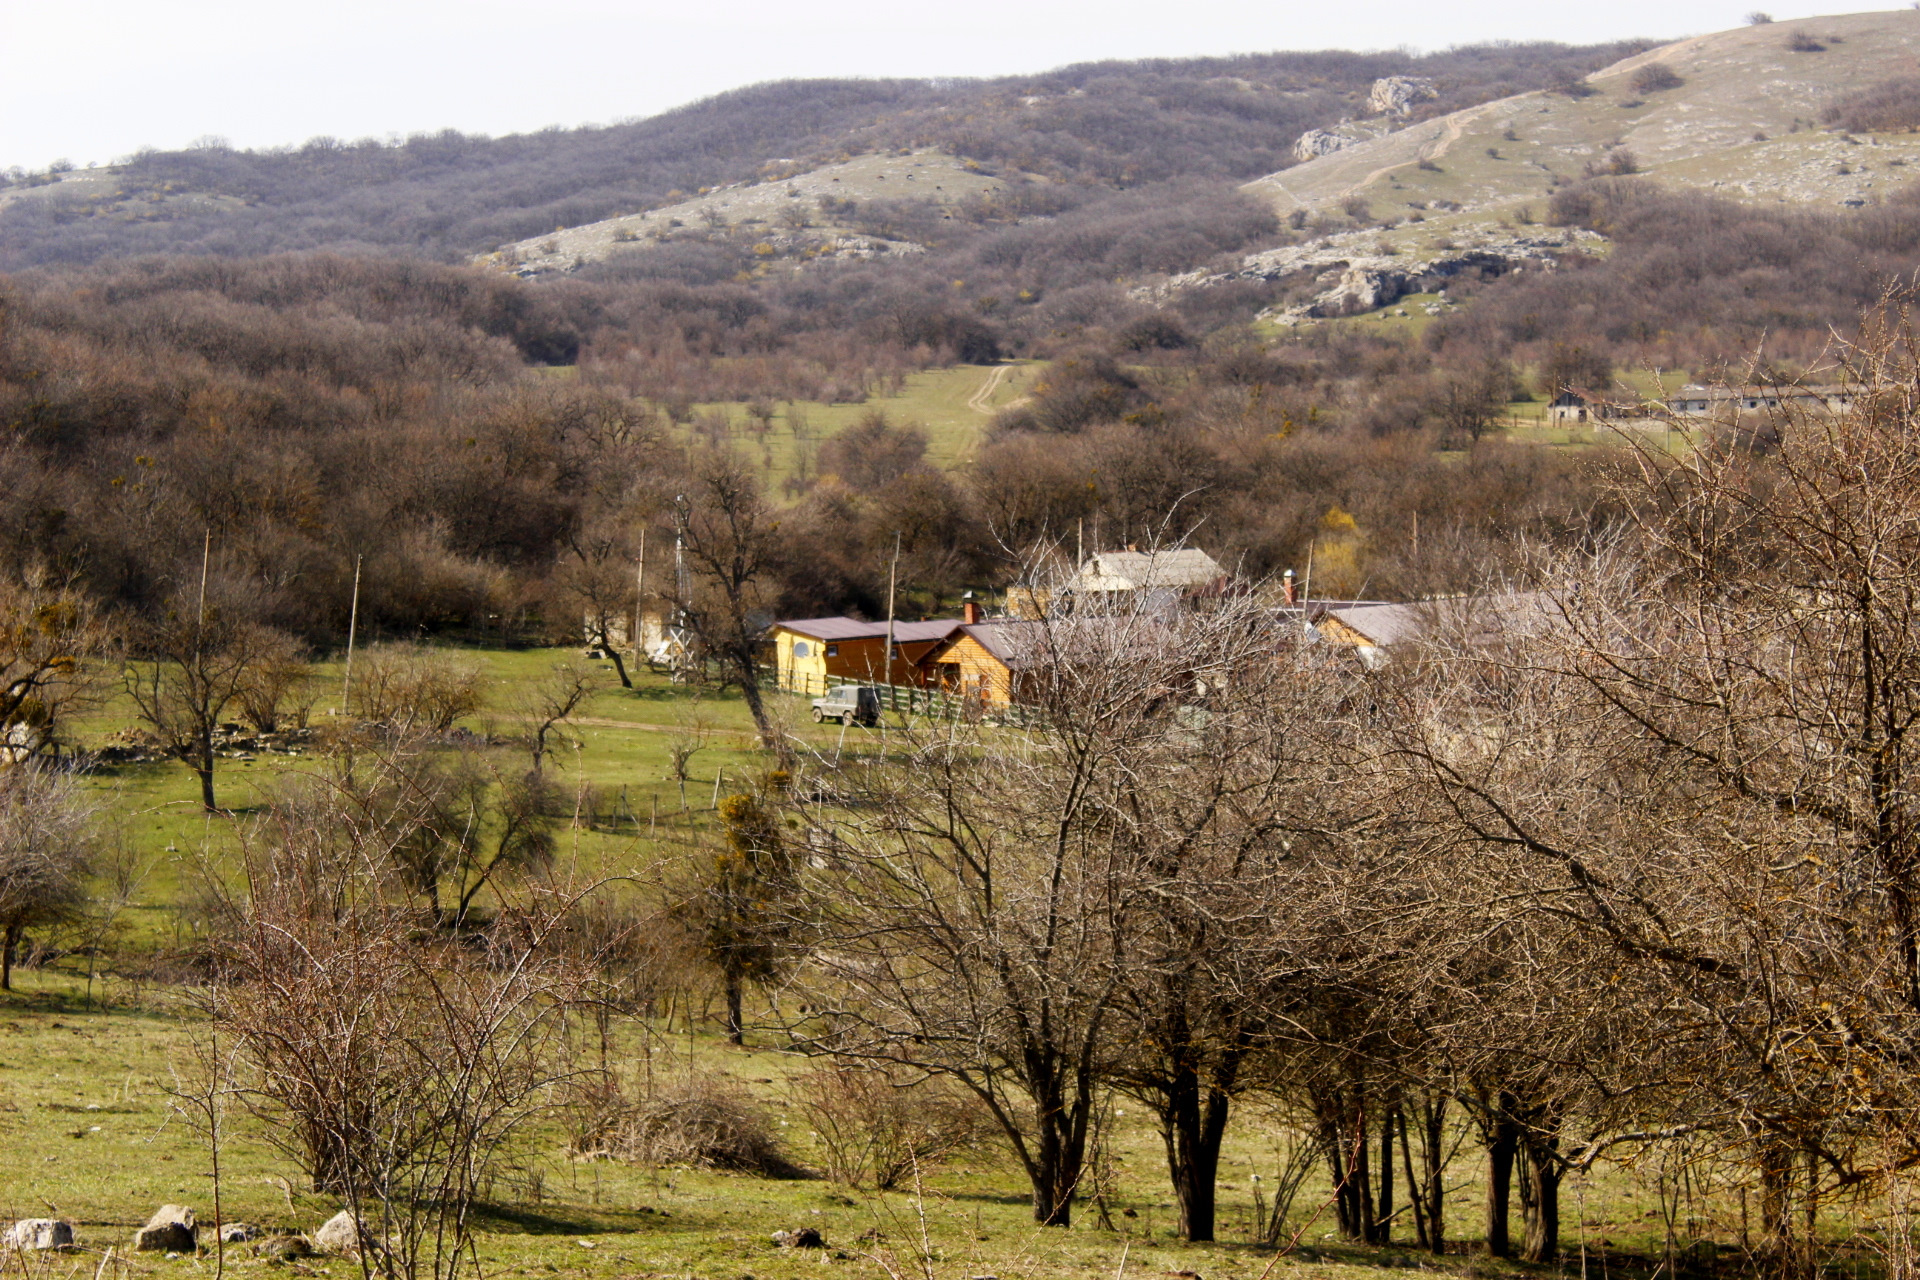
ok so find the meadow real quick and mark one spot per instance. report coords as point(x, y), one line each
point(97, 1054)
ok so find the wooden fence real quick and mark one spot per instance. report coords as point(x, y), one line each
point(909, 700)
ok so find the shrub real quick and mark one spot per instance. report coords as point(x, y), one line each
point(410, 687)
point(1801, 42)
point(876, 1125)
point(1882, 107)
point(1655, 77)
point(704, 1122)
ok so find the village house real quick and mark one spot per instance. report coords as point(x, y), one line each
point(812, 654)
point(981, 661)
point(1372, 630)
point(1695, 401)
point(1126, 581)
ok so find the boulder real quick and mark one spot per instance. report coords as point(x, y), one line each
point(238, 1233)
point(804, 1238)
point(1395, 95)
point(38, 1233)
point(1317, 142)
point(171, 1229)
point(342, 1235)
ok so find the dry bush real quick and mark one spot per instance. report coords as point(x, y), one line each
point(705, 1122)
point(1654, 77)
point(279, 686)
point(1885, 107)
point(876, 1126)
point(397, 1067)
point(410, 687)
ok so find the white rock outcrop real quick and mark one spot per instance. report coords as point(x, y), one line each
point(1318, 142)
point(1395, 95)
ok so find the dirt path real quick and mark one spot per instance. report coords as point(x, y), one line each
point(981, 403)
point(601, 722)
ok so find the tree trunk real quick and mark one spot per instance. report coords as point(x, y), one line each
point(1059, 1154)
point(735, 1029)
point(1540, 1175)
point(1416, 1190)
point(1776, 1196)
point(1433, 1161)
point(8, 943)
point(619, 667)
point(1502, 1139)
point(204, 769)
point(1383, 1210)
point(1194, 1125)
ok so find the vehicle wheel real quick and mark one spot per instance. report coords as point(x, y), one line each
point(818, 715)
point(848, 719)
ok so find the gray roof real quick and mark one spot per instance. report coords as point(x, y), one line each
point(842, 628)
point(1139, 570)
point(1476, 619)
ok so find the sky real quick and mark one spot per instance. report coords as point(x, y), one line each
point(94, 80)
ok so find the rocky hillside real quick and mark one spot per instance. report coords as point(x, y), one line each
point(797, 217)
point(1404, 204)
point(1737, 112)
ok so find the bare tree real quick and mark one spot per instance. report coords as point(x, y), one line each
point(412, 688)
point(545, 705)
point(46, 634)
point(731, 541)
point(987, 912)
point(398, 1069)
point(192, 664)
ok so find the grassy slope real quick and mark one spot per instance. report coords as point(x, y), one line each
point(951, 404)
point(1738, 84)
point(928, 175)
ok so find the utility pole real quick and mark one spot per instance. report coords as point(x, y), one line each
point(200, 618)
point(639, 594)
point(353, 627)
point(893, 571)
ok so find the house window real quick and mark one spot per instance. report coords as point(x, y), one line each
point(833, 651)
point(800, 649)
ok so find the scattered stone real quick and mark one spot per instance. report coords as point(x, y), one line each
point(804, 1238)
point(38, 1233)
point(171, 1229)
point(239, 1233)
point(343, 1235)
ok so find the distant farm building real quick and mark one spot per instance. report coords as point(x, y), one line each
point(1694, 401)
point(1575, 406)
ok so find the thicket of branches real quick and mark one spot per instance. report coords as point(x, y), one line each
point(1617, 867)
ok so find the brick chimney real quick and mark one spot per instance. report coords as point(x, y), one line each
point(969, 609)
point(1286, 585)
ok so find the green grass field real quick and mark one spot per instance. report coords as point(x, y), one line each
point(90, 1127)
point(952, 405)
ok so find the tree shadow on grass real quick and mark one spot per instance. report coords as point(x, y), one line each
point(559, 1220)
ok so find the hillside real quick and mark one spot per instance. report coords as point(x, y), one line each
point(1743, 119)
point(798, 216)
point(1100, 126)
